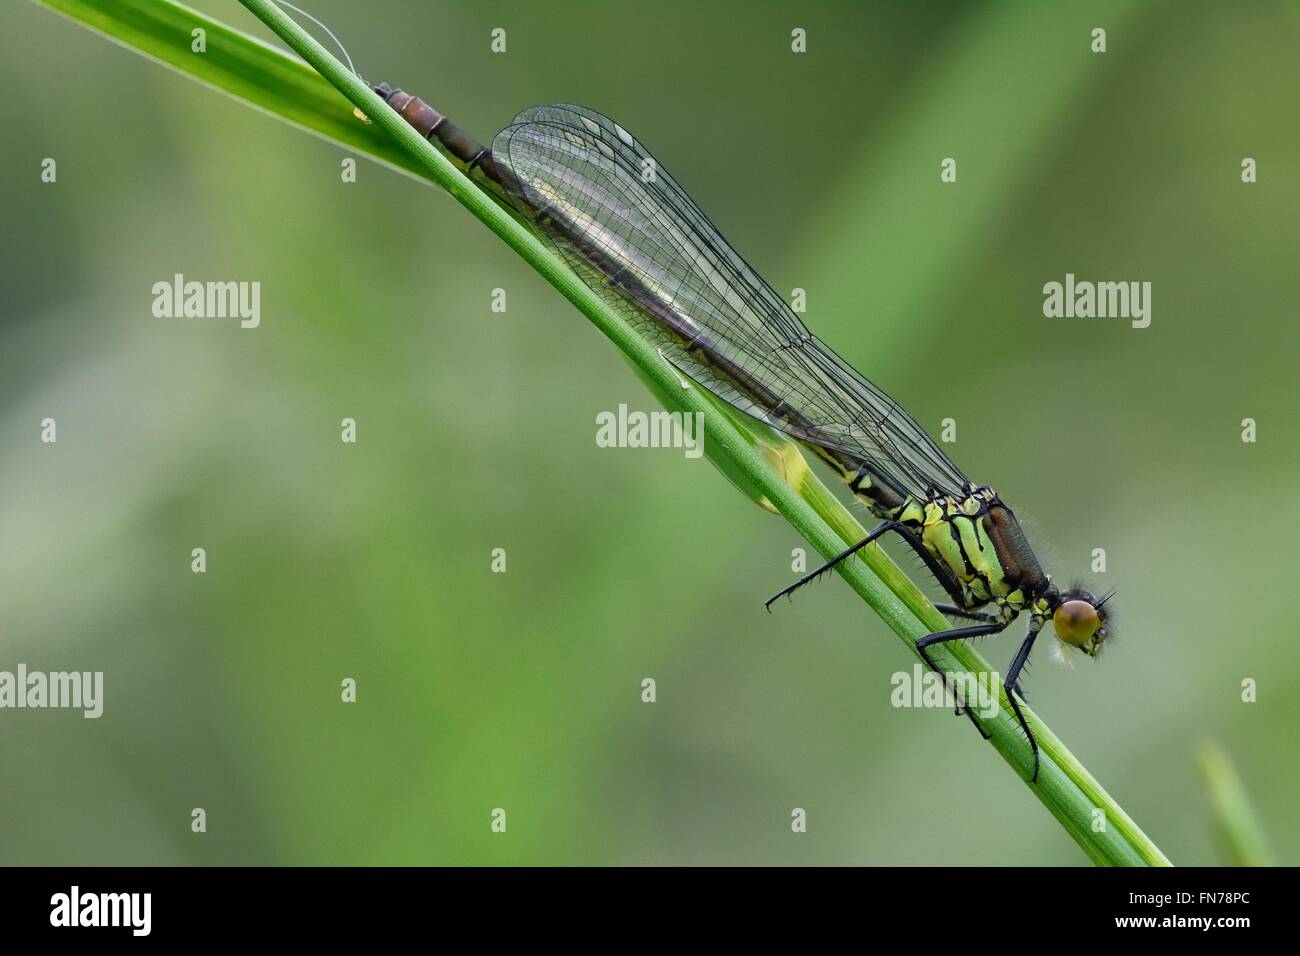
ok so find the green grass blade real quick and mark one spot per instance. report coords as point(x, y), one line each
point(1240, 833)
point(238, 65)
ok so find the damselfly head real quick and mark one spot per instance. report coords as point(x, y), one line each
point(1082, 620)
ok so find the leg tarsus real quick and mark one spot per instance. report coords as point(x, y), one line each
point(1029, 734)
point(1011, 685)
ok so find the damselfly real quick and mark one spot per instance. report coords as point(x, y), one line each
point(626, 227)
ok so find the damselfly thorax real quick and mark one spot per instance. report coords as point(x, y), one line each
point(979, 542)
point(972, 544)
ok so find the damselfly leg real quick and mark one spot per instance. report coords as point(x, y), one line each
point(952, 610)
point(956, 634)
point(942, 574)
point(879, 530)
point(1011, 684)
point(1012, 687)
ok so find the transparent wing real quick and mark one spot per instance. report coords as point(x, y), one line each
point(638, 240)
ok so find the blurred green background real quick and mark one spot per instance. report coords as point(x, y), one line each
point(476, 431)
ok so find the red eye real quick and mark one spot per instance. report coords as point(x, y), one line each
point(1076, 622)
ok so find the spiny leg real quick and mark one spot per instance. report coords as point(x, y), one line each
point(953, 610)
point(943, 574)
point(1009, 685)
point(956, 634)
point(852, 549)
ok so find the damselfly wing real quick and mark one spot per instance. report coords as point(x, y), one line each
point(626, 226)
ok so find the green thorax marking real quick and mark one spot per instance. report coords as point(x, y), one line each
point(978, 541)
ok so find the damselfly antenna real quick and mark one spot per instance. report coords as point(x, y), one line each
point(328, 32)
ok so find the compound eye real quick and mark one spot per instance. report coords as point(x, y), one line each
point(1076, 622)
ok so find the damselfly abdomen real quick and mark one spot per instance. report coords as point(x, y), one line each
point(637, 239)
